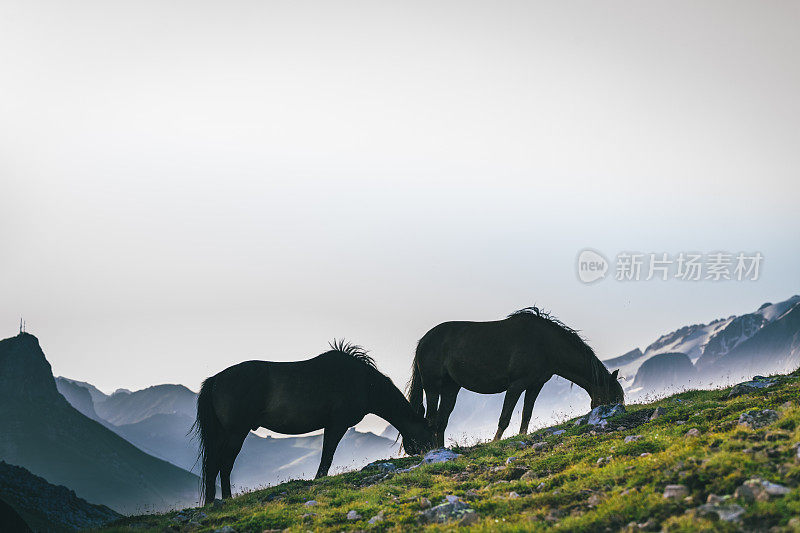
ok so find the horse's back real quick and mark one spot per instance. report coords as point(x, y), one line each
point(480, 356)
point(288, 397)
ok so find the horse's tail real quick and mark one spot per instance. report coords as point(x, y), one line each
point(209, 431)
point(414, 387)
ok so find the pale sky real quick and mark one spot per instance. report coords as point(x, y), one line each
point(186, 185)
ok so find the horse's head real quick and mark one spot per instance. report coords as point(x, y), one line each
point(608, 392)
point(418, 437)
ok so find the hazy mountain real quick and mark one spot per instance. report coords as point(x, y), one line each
point(774, 348)
point(96, 394)
point(45, 434)
point(705, 344)
point(126, 407)
point(46, 507)
point(78, 397)
point(624, 359)
point(665, 370)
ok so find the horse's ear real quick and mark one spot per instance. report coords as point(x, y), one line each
point(615, 374)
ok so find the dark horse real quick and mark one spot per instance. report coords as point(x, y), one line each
point(520, 353)
point(332, 391)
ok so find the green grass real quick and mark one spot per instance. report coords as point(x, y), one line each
point(566, 489)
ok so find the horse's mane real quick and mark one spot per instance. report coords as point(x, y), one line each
point(533, 312)
point(353, 350)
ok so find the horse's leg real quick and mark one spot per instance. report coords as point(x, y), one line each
point(210, 471)
point(330, 440)
point(527, 410)
point(512, 396)
point(449, 394)
point(432, 401)
point(232, 447)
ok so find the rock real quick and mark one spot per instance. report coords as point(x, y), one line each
point(680, 422)
point(559, 432)
point(593, 500)
point(598, 415)
point(308, 516)
point(603, 460)
point(694, 432)
point(717, 511)
point(446, 512)
point(539, 446)
point(352, 515)
point(528, 476)
point(513, 495)
point(225, 529)
point(659, 412)
point(471, 495)
point(470, 518)
point(384, 467)
point(632, 438)
point(645, 454)
point(758, 382)
point(758, 419)
point(377, 518)
point(649, 525)
point(676, 492)
point(759, 490)
point(424, 503)
point(441, 455)
point(310, 503)
point(511, 459)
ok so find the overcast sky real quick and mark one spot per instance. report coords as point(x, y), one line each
point(186, 185)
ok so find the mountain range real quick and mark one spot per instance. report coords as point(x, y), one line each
point(46, 435)
point(723, 351)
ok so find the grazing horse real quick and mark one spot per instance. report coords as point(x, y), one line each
point(519, 353)
point(332, 391)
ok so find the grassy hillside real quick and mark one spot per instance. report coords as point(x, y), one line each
point(681, 471)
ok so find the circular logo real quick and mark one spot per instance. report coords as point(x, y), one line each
point(592, 266)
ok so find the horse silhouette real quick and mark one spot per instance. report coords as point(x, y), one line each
point(520, 353)
point(332, 391)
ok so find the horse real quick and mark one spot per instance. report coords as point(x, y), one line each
point(520, 353)
point(332, 391)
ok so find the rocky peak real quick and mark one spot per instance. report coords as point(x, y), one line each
point(24, 370)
